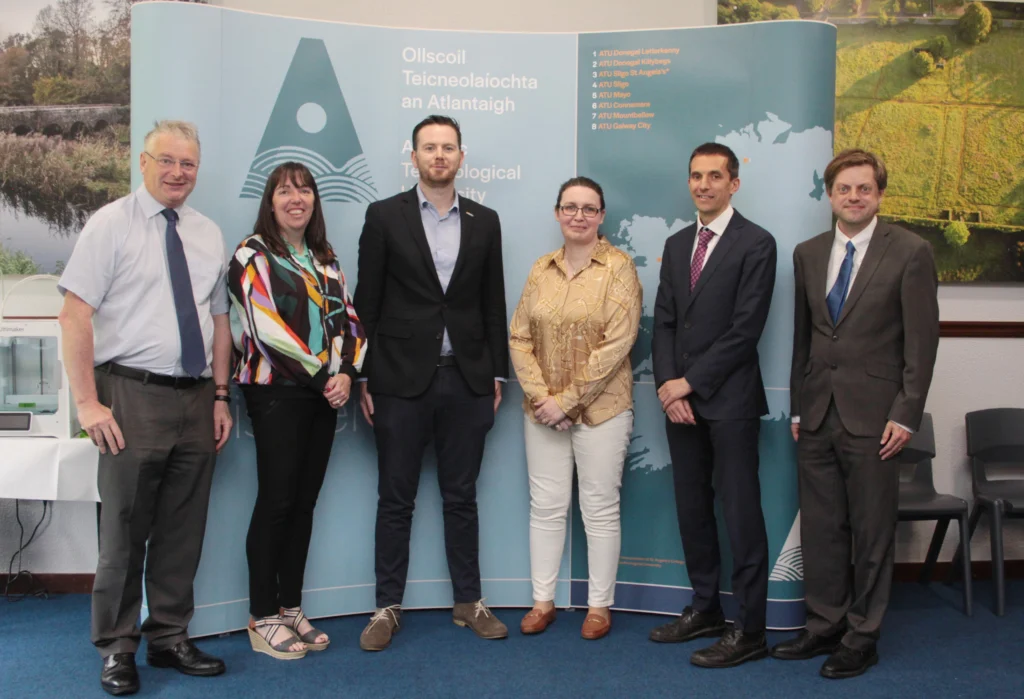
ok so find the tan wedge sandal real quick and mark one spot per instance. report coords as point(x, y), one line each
point(293, 618)
point(279, 650)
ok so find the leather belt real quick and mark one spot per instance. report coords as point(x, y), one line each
point(149, 377)
point(446, 360)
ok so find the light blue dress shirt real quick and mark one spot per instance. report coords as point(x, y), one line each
point(444, 234)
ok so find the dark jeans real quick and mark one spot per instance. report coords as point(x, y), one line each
point(155, 494)
point(458, 421)
point(721, 453)
point(294, 429)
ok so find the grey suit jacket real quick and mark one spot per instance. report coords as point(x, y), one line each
point(876, 362)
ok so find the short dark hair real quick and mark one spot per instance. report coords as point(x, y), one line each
point(579, 182)
point(440, 120)
point(267, 226)
point(855, 157)
point(732, 162)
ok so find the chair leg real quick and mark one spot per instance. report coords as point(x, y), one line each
point(972, 525)
point(965, 556)
point(941, 526)
point(996, 534)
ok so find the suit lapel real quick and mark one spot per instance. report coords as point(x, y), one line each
point(722, 248)
point(465, 229)
point(876, 251)
point(411, 211)
point(818, 285)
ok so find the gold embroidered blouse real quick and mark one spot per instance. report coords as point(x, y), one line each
point(571, 337)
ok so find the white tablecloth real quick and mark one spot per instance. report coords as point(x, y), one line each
point(42, 468)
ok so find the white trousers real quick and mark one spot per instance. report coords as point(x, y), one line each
point(598, 453)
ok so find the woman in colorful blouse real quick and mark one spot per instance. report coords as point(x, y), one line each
point(570, 337)
point(302, 345)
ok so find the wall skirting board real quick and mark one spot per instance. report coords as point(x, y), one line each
point(79, 583)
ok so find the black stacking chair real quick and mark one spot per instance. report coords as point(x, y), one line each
point(995, 444)
point(920, 502)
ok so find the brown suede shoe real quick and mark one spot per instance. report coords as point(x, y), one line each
point(595, 627)
point(537, 620)
point(383, 625)
point(478, 617)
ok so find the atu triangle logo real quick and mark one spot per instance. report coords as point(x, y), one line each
point(311, 124)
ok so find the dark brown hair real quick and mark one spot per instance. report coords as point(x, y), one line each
point(579, 182)
point(732, 162)
point(267, 226)
point(439, 120)
point(855, 157)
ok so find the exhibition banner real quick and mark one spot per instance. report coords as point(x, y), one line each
point(625, 108)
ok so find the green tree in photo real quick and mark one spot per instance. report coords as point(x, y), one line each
point(740, 11)
point(56, 90)
point(814, 6)
point(940, 47)
point(922, 63)
point(956, 233)
point(16, 262)
point(975, 24)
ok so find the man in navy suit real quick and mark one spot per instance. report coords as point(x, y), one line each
point(717, 278)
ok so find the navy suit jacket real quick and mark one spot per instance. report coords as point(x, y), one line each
point(710, 336)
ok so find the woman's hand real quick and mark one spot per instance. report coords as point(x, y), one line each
point(338, 390)
point(547, 412)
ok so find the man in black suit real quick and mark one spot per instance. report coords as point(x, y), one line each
point(431, 295)
point(865, 337)
point(717, 278)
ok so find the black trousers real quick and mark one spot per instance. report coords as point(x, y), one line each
point(155, 493)
point(721, 453)
point(294, 429)
point(849, 501)
point(457, 419)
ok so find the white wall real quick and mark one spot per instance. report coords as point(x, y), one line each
point(496, 15)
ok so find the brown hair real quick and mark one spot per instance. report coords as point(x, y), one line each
point(580, 182)
point(855, 157)
point(316, 230)
point(437, 120)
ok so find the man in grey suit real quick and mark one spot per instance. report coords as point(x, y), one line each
point(864, 344)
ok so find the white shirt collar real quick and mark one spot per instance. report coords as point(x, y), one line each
point(719, 225)
point(861, 240)
point(150, 206)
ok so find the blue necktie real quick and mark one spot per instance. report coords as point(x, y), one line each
point(193, 351)
point(837, 297)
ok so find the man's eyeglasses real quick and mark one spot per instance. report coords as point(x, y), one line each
point(168, 163)
point(572, 209)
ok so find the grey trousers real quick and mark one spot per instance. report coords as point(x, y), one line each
point(849, 499)
point(154, 496)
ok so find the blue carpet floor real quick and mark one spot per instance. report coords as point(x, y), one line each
point(929, 649)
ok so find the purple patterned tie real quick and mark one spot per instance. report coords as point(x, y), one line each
point(706, 234)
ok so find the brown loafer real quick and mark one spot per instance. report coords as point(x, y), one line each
point(536, 621)
point(595, 627)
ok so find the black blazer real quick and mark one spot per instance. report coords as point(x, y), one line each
point(710, 336)
point(404, 310)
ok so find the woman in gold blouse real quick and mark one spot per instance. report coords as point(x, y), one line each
point(571, 336)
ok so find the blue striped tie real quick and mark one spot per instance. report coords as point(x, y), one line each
point(837, 297)
point(193, 351)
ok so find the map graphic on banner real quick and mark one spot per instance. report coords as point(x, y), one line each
point(311, 124)
point(625, 108)
point(641, 101)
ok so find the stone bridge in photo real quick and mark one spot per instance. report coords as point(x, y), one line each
point(68, 120)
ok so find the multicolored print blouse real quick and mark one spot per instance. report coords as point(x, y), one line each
point(297, 327)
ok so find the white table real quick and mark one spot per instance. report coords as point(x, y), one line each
point(43, 468)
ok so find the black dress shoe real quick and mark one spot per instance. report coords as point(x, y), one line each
point(689, 625)
point(734, 648)
point(120, 675)
point(807, 645)
point(848, 662)
point(186, 659)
